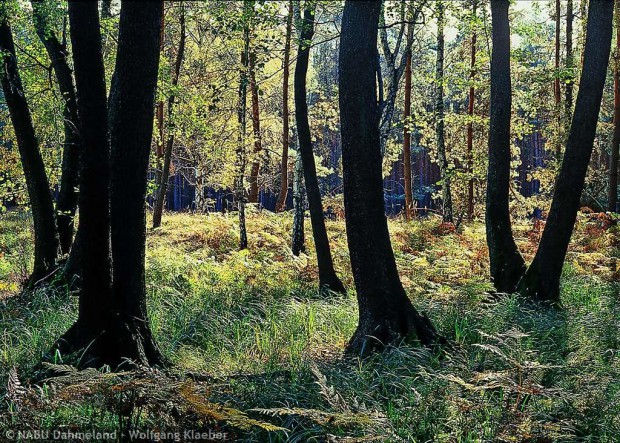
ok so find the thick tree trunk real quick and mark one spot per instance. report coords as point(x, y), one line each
point(470, 123)
point(446, 192)
point(162, 188)
point(507, 265)
point(258, 142)
point(92, 330)
point(386, 315)
point(45, 233)
point(281, 203)
point(407, 142)
point(132, 100)
point(327, 274)
point(298, 243)
point(68, 196)
point(542, 279)
point(612, 197)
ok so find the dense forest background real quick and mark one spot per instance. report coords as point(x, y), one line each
point(310, 220)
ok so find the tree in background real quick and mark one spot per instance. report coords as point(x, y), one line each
point(507, 265)
point(45, 231)
point(327, 274)
point(542, 279)
point(386, 314)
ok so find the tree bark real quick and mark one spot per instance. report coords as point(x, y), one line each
point(68, 195)
point(45, 232)
point(568, 104)
point(132, 101)
point(327, 274)
point(258, 142)
point(556, 84)
point(407, 141)
point(158, 208)
point(298, 243)
point(470, 123)
point(542, 279)
point(93, 329)
point(281, 203)
point(612, 197)
point(446, 191)
point(386, 315)
point(507, 265)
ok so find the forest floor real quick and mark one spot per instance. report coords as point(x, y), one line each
point(256, 352)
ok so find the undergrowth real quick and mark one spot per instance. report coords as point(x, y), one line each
point(256, 352)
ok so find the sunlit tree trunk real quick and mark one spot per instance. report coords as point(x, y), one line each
point(542, 279)
point(386, 315)
point(40, 196)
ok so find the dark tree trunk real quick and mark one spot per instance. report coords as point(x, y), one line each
point(298, 243)
point(542, 279)
point(68, 196)
point(158, 208)
point(327, 275)
point(386, 315)
point(132, 101)
point(568, 104)
point(470, 123)
point(446, 192)
point(92, 330)
point(45, 233)
point(281, 203)
point(507, 265)
point(258, 143)
point(407, 141)
point(612, 197)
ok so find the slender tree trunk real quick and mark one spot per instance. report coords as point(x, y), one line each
point(132, 102)
point(470, 123)
point(556, 84)
point(542, 279)
point(298, 243)
point(327, 274)
point(507, 265)
point(446, 192)
point(45, 233)
point(93, 328)
point(570, 62)
point(615, 144)
point(68, 196)
point(407, 141)
point(258, 142)
point(281, 203)
point(165, 173)
point(386, 315)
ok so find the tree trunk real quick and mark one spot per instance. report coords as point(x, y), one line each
point(407, 141)
point(327, 275)
point(446, 192)
point(158, 208)
point(132, 101)
point(542, 279)
point(258, 143)
point(568, 104)
point(45, 233)
point(68, 196)
point(92, 330)
point(281, 203)
point(298, 243)
point(507, 265)
point(386, 315)
point(470, 123)
point(556, 85)
point(612, 198)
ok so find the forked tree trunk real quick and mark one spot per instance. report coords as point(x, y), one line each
point(68, 195)
point(158, 208)
point(327, 274)
point(132, 100)
point(386, 315)
point(542, 279)
point(39, 194)
point(93, 330)
point(281, 203)
point(507, 265)
point(446, 191)
point(258, 142)
point(612, 197)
